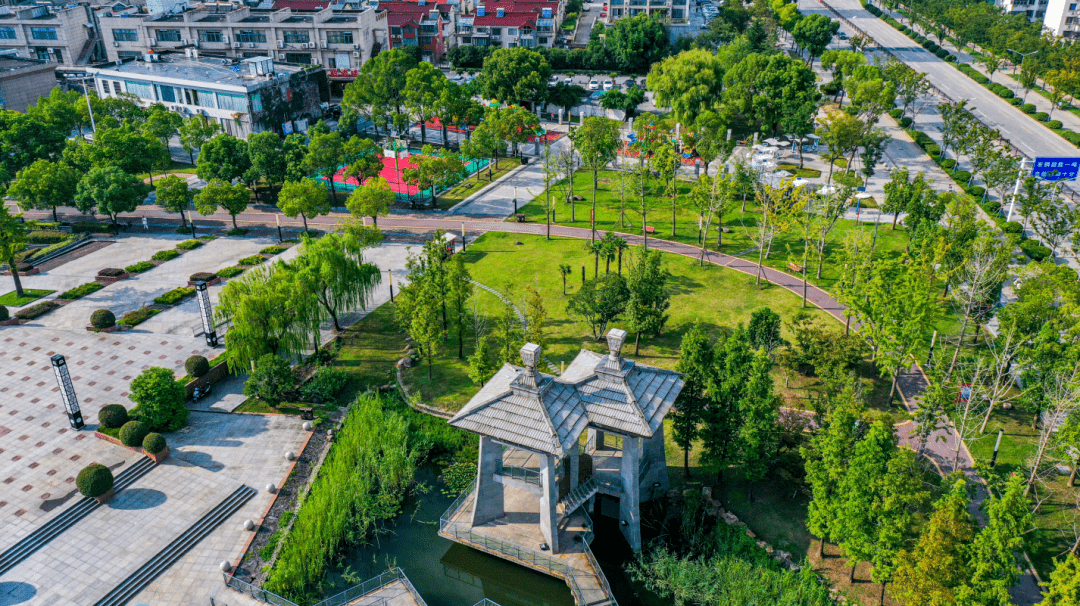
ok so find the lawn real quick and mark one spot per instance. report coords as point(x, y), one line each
point(369, 350)
point(30, 295)
point(805, 173)
point(473, 184)
point(174, 167)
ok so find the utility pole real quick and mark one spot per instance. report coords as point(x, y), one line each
point(1016, 188)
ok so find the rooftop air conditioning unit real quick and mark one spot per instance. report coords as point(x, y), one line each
point(356, 47)
point(116, 44)
point(356, 53)
point(281, 44)
point(225, 39)
point(251, 45)
point(236, 45)
point(311, 45)
point(324, 43)
point(281, 56)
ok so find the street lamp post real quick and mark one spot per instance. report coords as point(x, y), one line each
point(86, 93)
point(67, 391)
point(1023, 58)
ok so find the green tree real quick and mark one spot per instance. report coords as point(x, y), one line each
point(1063, 588)
point(994, 553)
point(759, 432)
point(424, 85)
point(696, 365)
point(937, 566)
point(326, 153)
point(535, 317)
point(597, 142)
point(720, 432)
point(222, 194)
point(650, 298)
point(599, 302)
point(626, 102)
point(332, 267)
point(814, 32)
point(12, 242)
point(364, 158)
point(515, 76)
point(480, 365)
point(195, 132)
point(162, 124)
point(372, 199)
point(764, 329)
point(110, 190)
point(159, 399)
point(460, 290)
point(45, 185)
point(174, 195)
point(267, 154)
point(306, 197)
point(379, 91)
point(826, 463)
point(842, 135)
point(270, 378)
point(224, 157)
point(635, 43)
point(689, 83)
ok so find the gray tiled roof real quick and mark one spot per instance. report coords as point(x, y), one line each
point(615, 394)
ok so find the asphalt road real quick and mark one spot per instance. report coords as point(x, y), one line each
point(1027, 135)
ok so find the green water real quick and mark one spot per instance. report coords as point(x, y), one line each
point(448, 574)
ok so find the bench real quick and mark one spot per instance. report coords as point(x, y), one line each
point(795, 267)
point(649, 229)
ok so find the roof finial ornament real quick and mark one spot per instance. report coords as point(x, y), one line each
point(530, 356)
point(615, 339)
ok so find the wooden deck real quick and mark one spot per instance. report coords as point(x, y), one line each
point(516, 537)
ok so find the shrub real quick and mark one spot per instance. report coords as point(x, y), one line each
point(1016, 101)
point(896, 113)
point(94, 480)
point(273, 250)
point(270, 379)
point(202, 276)
point(3, 314)
point(89, 227)
point(948, 163)
point(81, 291)
point(36, 311)
point(138, 316)
point(132, 433)
point(324, 385)
point(1042, 116)
point(252, 260)
point(230, 272)
point(1034, 250)
point(950, 59)
point(1028, 108)
point(197, 366)
point(961, 176)
point(110, 272)
point(933, 149)
point(160, 399)
point(46, 237)
point(1013, 227)
point(1054, 124)
point(1071, 136)
point(112, 416)
point(189, 245)
point(237, 232)
point(976, 190)
point(182, 230)
point(139, 267)
point(153, 443)
point(905, 122)
point(165, 255)
point(175, 295)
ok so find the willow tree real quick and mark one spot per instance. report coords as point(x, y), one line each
point(332, 267)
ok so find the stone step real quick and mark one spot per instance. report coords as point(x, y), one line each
point(176, 549)
point(69, 517)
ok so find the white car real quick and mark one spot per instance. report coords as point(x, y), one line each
point(568, 80)
point(594, 84)
point(554, 80)
point(609, 84)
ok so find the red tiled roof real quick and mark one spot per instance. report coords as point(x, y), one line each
point(401, 20)
point(508, 19)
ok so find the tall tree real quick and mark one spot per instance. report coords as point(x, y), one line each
point(515, 76)
point(759, 433)
point(689, 83)
point(195, 132)
point(332, 267)
point(597, 141)
point(994, 553)
point(721, 430)
point(325, 155)
point(826, 461)
point(937, 566)
point(649, 296)
point(600, 301)
point(460, 290)
point(222, 194)
point(1063, 588)
point(372, 199)
point(110, 190)
point(424, 85)
point(814, 32)
point(224, 157)
point(45, 185)
point(696, 365)
point(306, 197)
point(12, 242)
point(267, 153)
point(174, 195)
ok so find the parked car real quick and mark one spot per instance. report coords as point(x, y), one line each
point(631, 83)
point(554, 80)
point(594, 84)
point(609, 84)
point(843, 36)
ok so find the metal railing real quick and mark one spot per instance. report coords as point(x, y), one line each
point(600, 575)
point(369, 586)
point(486, 602)
point(524, 474)
point(256, 592)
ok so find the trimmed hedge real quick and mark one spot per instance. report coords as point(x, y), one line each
point(1016, 101)
point(111, 272)
point(240, 231)
point(81, 291)
point(112, 416)
point(1013, 227)
point(165, 255)
point(1054, 124)
point(46, 237)
point(961, 176)
point(94, 480)
point(1042, 116)
point(132, 433)
point(933, 149)
point(102, 318)
point(189, 245)
point(1028, 108)
point(1034, 250)
point(1072, 136)
point(153, 443)
point(948, 163)
point(35, 311)
point(202, 276)
point(273, 250)
point(230, 272)
point(197, 366)
point(905, 122)
point(252, 260)
point(976, 190)
point(895, 113)
point(138, 316)
point(175, 295)
point(139, 267)
point(83, 227)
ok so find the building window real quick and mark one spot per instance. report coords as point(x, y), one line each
point(43, 33)
point(59, 55)
point(105, 87)
point(143, 90)
point(466, 39)
point(426, 40)
point(543, 40)
point(166, 94)
point(7, 33)
point(125, 35)
point(293, 36)
point(496, 31)
point(396, 31)
point(167, 35)
point(232, 102)
point(256, 102)
point(512, 31)
point(251, 35)
point(41, 54)
point(1072, 7)
point(339, 37)
point(304, 58)
point(210, 35)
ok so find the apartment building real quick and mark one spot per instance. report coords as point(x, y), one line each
point(23, 81)
point(66, 36)
point(510, 23)
point(420, 23)
point(339, 40)
point(1063, 18)
point(675, 10)
point(1034, 10)
point(243, 96)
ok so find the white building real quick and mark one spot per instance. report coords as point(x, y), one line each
point(1063, 18)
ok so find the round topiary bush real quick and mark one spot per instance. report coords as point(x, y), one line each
point(94, 480)
point(948, 163)
point(1054, 124)
point(133, 433)
point(1013, 227)
point(3, 313)
point(196, 366)
point(1028, 108)
point(102, 318)
point(153, 443)
point(113, 416)
point(1042, 116)
point(905, 122)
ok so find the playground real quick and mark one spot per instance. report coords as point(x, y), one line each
point(393, 171)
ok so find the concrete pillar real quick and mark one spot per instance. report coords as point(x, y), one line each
point(488, 503)
point(654, 452)
point(630, 501)
point(549, 515)
point(560, 115)
point(575, 466)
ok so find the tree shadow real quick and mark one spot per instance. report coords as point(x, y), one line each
point(15, 592)
point(138, 498)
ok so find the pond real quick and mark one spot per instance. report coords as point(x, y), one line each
point(448, 574)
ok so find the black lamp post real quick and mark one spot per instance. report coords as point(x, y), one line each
point(207, 314)
point(67, 391)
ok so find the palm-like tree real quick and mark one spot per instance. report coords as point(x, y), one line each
point(564, 270)
point(620, 245)
point(595, 249)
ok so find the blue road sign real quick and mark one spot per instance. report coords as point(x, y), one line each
point(1056, 169)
